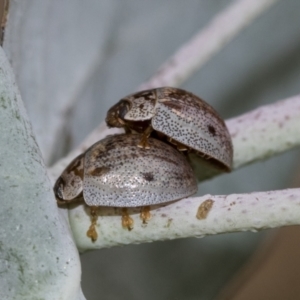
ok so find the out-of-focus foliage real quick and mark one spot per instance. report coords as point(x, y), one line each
point(38, 259)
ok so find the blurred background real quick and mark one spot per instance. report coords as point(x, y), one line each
point(74, 59)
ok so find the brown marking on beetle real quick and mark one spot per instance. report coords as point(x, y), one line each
point(99, 171)
point(147, 95)
point(148, 176)
point(177, 94)
point(204, 209)
point(76, 167)
point(98, 152)
point(145, 215)
point(173, 105)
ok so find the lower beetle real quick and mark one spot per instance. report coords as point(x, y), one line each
point(114, 172)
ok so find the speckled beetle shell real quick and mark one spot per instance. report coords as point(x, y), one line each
point(114, 172)
point(187, 121)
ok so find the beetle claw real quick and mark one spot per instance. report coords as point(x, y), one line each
point(92, 233)
point(144, 143)
point(127, 221)
point(179, 146)
point(145, 215)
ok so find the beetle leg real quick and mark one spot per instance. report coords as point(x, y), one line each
point(144, 141)
point(145, 215)
point(92, 233)
point(127, 221)
point(179, 146)
point(127, 130)
point(205, 156)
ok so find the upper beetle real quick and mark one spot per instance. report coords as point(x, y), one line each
point(186, 120)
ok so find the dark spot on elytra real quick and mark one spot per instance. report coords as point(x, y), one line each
point(141, 106)
point(148, 176)
point(211, 130)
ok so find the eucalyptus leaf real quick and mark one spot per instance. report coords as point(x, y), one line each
point(38, 259)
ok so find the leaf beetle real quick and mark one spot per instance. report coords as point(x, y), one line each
point(179, 116)
point(114, 172)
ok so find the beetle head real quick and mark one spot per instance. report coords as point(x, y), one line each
point(115, 115)
point(68, 186)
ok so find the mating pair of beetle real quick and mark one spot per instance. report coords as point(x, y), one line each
point(144, 167)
